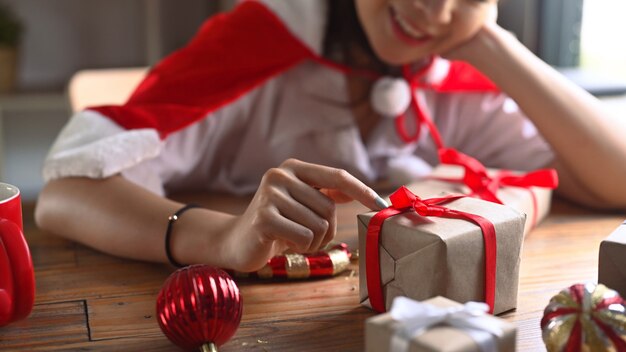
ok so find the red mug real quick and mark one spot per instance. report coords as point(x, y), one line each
point(17, 277)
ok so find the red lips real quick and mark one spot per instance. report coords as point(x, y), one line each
point(402, 34)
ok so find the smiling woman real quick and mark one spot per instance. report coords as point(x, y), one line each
point(405, 31)
point(298, 132)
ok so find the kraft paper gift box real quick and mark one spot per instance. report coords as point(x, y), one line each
point(446, 179)
point(423, 257)
point(612, 261)
point(419, 327)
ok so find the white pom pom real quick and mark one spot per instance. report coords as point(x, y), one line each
point(390, 96)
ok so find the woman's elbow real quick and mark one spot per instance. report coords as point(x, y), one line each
point(54, 205)
point(44, 209)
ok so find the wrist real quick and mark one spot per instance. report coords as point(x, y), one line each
point(503, 59)
point(493, 44)
point(171, 220)
point(198, 237)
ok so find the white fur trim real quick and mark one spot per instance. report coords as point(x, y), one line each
point(390, 96)
point(306, 19)
point(92, 145)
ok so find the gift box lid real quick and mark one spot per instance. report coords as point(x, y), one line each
point(618, 236)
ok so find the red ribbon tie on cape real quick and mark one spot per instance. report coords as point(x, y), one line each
point(461, 77)
point(402, 201)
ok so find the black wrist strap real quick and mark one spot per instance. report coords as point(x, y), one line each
point(168, 233)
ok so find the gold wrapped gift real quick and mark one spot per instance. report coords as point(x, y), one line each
point(438, 324)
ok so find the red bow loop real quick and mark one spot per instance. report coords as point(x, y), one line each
point(476, 177)
point(485, 186)
point(421, 208)
point(482, 186)
point(403, 198)
point(547, 178)
point(454, 157)
point(431, 210)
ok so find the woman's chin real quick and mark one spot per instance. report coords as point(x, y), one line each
point(396, 57)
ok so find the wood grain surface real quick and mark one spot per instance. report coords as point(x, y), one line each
point(87, 300)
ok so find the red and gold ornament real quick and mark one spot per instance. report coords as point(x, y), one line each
point(585, 317)
point(199, 307)
point(330, 261)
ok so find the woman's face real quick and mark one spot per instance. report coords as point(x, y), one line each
point(404, 31)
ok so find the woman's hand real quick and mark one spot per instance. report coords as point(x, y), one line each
point(293, 208)
point(483, 43)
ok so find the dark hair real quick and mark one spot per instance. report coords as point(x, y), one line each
point(346, 42)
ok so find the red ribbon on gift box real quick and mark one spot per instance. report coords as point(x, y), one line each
point(485, 187)
point(402, 201)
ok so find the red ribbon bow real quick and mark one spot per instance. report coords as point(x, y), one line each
point(402, 201)
point(486, 187)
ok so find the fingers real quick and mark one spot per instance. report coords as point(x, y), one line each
point(293, 211)
point(292, 203)
point(309, 208)
point(322, 206)
point(271, 224)
point(335, 179)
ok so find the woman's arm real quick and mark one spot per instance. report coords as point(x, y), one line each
point(590, 146)
point(120, 218)
point(293, 208)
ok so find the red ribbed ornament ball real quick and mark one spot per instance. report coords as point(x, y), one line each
point(199, 307)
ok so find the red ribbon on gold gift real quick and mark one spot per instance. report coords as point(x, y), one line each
point(485, 187)
point(402, 201)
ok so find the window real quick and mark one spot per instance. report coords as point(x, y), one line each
point(582, 39)
point(603, 46)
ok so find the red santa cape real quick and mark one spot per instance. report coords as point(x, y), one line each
point(232, 54)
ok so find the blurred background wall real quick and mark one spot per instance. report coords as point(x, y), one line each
point(61, 37)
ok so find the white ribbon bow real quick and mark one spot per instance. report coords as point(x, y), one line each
point(417, 317)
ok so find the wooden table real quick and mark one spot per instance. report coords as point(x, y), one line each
point(89, 300)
